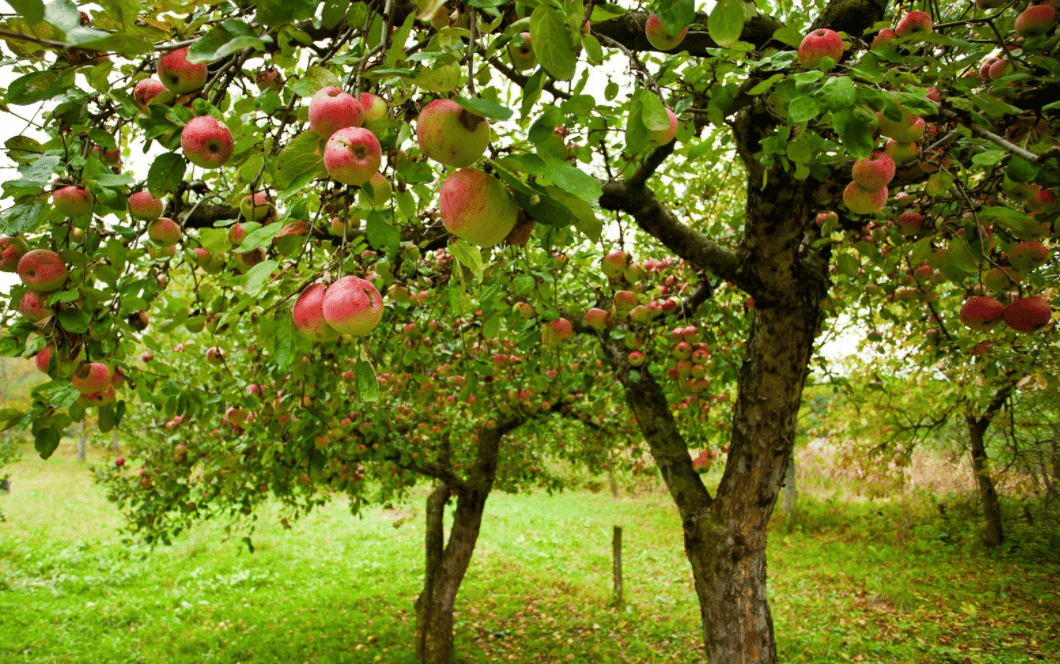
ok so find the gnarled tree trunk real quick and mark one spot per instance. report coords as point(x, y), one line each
point(992, 531)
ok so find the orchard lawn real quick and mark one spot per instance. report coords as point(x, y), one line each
point(893, 582)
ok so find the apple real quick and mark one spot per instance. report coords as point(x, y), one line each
point(635, 358)
point(874, 171)
point(1036, 20)
point(374, 107)
point(73, 201)
point(818, 45)
point(981, 313)
point(664, 136)
point(525, 310)
point(556, 332)
point(907, 130)
point(164, 231)
point(659, 37)
point(450, 134)
point(914, 23)
point(521, 51)
point(215, 355)
point(144, 206)
point(1002, 279)
point(477, 207)
point(257, 207)
point(146, 90)
point(910, 223)
point(901, 152)
point(12, 249)
point(1028, 314)
point(112, 157)
point(331, 109)
point(269, 79)
point(864, 201)
point(1027, 256)
point(308, 314)
point(139, 322)
point(34, 305)
point(625, 301)
point(91, 377)
point(43, 358)
point(42, 270)
point(210, 263)
point(352, 155)
point(883, 38)
point(598, 319)
point(206, 142)
point(381, 191)
point(614, 264)
point(1019, 192)
point(179, 75)
point(352, 305)
point(1044, 200)
point(245, 260)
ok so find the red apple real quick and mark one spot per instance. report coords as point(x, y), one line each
point(1027, 256)
point(883, 38)
point(144, 206)
point(914, 23)
point(331, 109)
point(73, 201)
point(818, 45)
point(257, 207)
point(598, 319)
point(34, 305)
point(352, 306)
point(664, 136)
point(12, 249)
point(206, 142)
point(308, 314)
point(42, 270)
point(907, 130)
point(864, 201)
point(179, 75)
point(146, 90)
point(556, 332)
point(352, 155)
point(901, 152)
point(91, 377)
point(910, 223)
point(981, 313)
point(1028, 314)
point(874, 171)
point(164, 231)
point(521, 51)
point(658, 36)
point(1036, 20)
point(374, 107)
point(477, 207)
point(269, 79)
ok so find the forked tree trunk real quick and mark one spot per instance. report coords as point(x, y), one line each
point(447, 562)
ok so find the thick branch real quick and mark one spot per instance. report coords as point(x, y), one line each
point(628, 30)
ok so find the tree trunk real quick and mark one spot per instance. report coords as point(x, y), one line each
point(447, 566)
point(82, 444)
point(791, 492)
point(992, 531)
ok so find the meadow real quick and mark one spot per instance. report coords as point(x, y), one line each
point(895, 580)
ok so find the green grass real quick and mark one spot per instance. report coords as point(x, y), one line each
point(892, 582)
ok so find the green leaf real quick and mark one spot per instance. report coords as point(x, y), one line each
point(381, 234)
point(165, 174)
point(552, 42)
point(855, 132)
point(839, 93)
point(414, 172)
point(106, 417)
point(275, 12)
point(962, 256)
point(260, 237)
point(803, 109)
point(594, 53)
point(653, 113)
point(35, 86)
point(285, 344)
point(298, 159)
point(726, 22)
point(61, 394)
point(31, 10)
point(636, 131)
point(314, 80)
point(523, 284)
point(938, 184)
point(45, 440)
point(367, 385)
point(125, 12)
point(332, 13)
point(848, 265)
point(789, 35)
point(223, 40)
point(1021, 170)
point(21, 218)
point(214, 240)
point(989, 158)
point(258, 275)
point(485, 108)
point(469, 256)
point(63, 14)
point(574, 180)
point(765, 85)
point(676, 16)
point(1018, 224)
point(74, 320)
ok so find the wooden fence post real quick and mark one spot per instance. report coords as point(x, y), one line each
point(616, 565)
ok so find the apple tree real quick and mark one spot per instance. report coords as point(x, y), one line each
point(739, 141)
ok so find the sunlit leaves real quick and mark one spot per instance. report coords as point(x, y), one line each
point(726, 22)
point(552, 42)
point(224, 39)
point(275, 12)
point(166, 174)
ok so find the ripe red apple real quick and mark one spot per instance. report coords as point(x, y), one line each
point(164, 231)
point(521, 51)
point(556, 332)
point(308, 314)
point(374, 107)
point(1027, 256)
point(43, 358)
point(450, 134)
point(909, 223)
point(352, 155)
point(257, 207)
point(981, 313)
point(73, 201)
point(34, 305)
point(146, 90)
point(883, 38)
point(477, 207)
point(119, 462)
point(864, 201)
point(664, 136)
point(1036, 20)
point(907, 130)
point(206, 142)
point(111, 157)
point(12, 249)
point(209, 262)
point(332, 109)
point(914, 23)
point(144, 206)
point(91, 377)
point(1028, 314)
point(179, 75)
point(614, 264)
point(624, 301)
point(874, 171)
point(635, 358)
point(818, 45)
point(901, 152)
point(352, 306)
point(658, 36)
point(42, 270)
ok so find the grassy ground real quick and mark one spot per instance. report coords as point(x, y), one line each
point(892, 582)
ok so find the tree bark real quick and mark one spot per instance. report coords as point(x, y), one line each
point(446, 567)
point(993, 533)
point(791, 492)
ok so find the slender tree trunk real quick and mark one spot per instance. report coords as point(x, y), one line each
point(447, 565)
point(993, 534)
point(82, 444)
point(791, 492)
